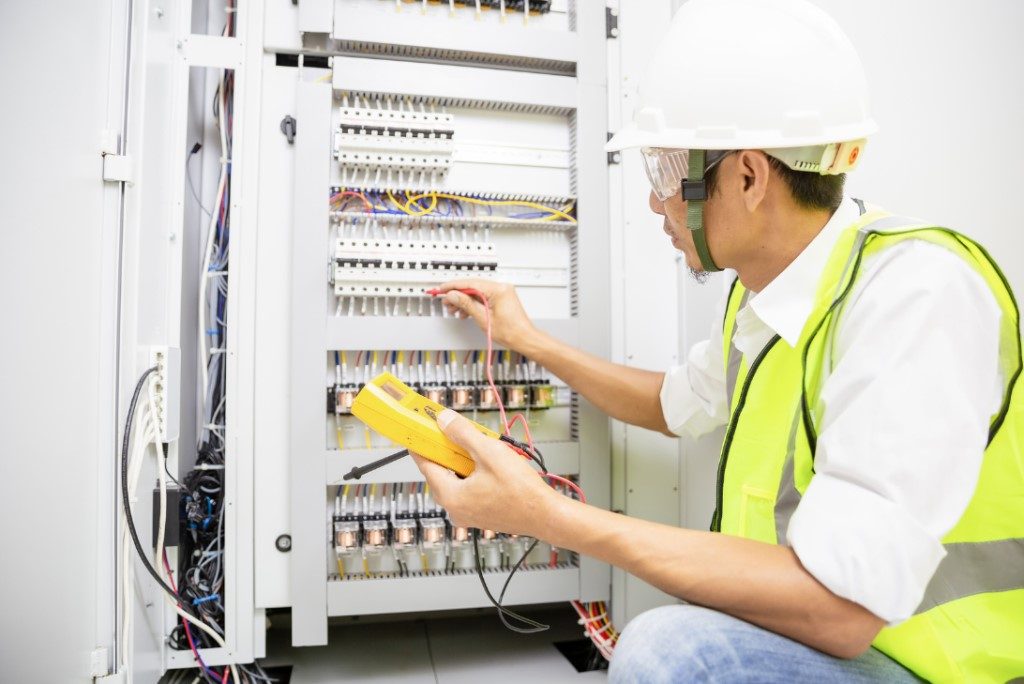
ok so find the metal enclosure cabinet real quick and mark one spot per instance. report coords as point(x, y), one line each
point(524, 99)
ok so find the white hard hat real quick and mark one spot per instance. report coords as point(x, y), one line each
point(750, 74)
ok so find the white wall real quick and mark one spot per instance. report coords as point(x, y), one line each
point(947, 85)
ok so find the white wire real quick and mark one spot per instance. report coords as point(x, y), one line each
point(204, 275)
point(158, 558)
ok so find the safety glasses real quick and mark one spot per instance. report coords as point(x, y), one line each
point(667, 168)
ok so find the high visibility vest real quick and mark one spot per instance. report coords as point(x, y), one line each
point(970, 625)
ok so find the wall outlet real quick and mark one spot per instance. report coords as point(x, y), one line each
point(167, 383)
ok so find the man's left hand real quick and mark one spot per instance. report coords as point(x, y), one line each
point(503, 493)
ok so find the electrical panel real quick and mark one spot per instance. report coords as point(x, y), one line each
point(416, 164)
point(378, 149)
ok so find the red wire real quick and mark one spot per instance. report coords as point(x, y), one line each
point(497, 395)
point(591, 629)
point(520, 418)
point(348, 193)
point(568, 483)
point(490, 346)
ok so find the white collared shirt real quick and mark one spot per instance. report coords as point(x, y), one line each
point(904, 413)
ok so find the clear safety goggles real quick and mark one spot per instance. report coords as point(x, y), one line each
point(667, 168)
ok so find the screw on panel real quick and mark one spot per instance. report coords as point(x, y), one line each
point(284, 543)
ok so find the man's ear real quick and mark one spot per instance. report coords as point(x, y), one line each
point(753, 168)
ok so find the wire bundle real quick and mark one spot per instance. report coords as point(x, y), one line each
point(433, 203)
point(597, 625)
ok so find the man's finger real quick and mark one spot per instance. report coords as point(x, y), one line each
point(466, 304)
point(440, 479)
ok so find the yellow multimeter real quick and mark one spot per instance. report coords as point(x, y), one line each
point(392, 408)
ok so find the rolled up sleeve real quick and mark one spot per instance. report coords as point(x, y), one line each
point(693, 395)
point(904, 420)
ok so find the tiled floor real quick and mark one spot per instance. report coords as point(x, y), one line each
point(441, 651)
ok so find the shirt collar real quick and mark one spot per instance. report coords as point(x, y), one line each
point(786, 302)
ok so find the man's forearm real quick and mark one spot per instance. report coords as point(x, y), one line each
point(629, 394)
point(761, 583)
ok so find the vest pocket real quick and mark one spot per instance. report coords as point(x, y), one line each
point(757, 514)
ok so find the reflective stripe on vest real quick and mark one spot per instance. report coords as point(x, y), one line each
point(970, 623)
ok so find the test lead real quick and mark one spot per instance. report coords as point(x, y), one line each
point(358, 472)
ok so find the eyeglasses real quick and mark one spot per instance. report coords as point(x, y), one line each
point(667, 168)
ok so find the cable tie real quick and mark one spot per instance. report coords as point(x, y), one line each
point(205, 599)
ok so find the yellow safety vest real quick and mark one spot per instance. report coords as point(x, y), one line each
point(970, 625)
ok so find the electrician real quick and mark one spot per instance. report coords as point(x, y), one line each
point(870, 498)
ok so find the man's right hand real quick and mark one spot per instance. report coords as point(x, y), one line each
point(510, 326)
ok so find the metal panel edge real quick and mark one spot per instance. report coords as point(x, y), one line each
point(308, 322)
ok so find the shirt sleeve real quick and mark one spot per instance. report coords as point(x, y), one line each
point(904, 424)
point(693, 395)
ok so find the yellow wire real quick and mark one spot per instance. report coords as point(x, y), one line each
point(417, 210)
point(366, 567)
point(341, 568)
point(552, 217)
point(344, 359)
point(373, 489)
point(401, 357)
point(423, 560)
point(403, 207)
point(559, 213)
point(344, 492)
point(337, 431)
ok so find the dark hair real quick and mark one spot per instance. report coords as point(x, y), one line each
point(810, 190)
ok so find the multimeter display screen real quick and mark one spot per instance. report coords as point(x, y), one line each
point(393, 391)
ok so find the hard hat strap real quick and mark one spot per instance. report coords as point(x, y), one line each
point(695, 193)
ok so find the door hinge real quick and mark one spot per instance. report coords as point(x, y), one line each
point(613, 157)
point(611, 22)
point(117, 168)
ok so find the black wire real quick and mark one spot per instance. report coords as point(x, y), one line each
point(535, 626)
point(533, 454)
point(164, 446)
point(124, 492)
point(188, 173)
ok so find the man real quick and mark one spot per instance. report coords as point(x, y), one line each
point(870, 517)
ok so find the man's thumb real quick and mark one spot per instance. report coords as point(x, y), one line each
point(463, 302)
point(460, 430)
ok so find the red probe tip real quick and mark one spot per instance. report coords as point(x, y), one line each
point(434, 292)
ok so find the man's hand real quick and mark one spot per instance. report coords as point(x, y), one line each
point(510, 326)
point(503, 493)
